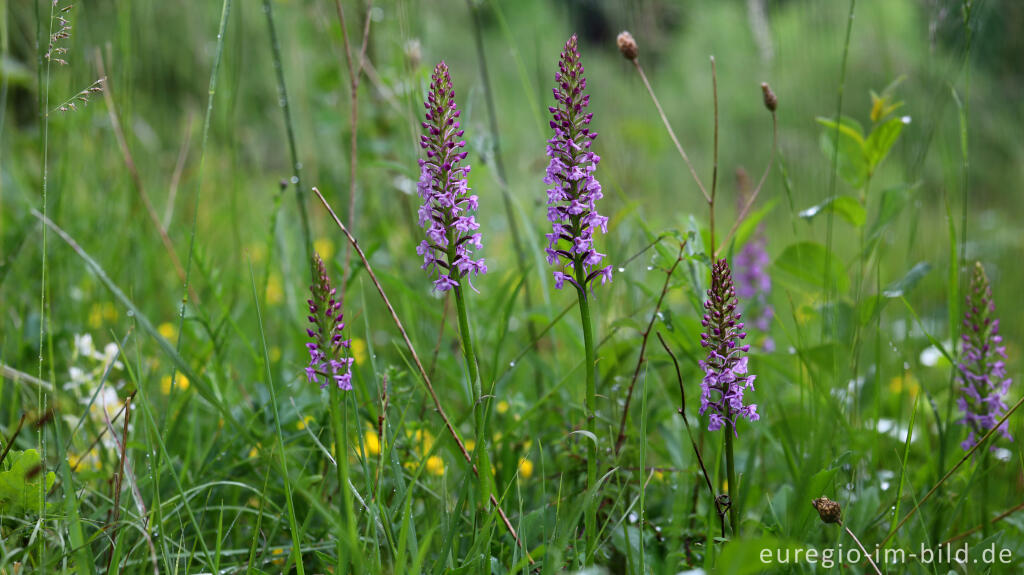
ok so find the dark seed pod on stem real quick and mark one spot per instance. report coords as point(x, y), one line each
point(770, 101)
point(829, 511)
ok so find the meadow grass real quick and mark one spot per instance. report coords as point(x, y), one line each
point(154, 411)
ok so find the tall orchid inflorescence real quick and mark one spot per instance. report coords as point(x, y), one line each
point(327, 351)
point(725, 368)
point(982, 378)
point(753, 284)
point(451, 233)
point(574, 191)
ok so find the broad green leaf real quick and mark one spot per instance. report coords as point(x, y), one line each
point(19, 486)
point(849, 149)
point(804, 263)
point(881, 140)
point(848, 208)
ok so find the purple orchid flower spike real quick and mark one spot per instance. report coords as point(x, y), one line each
point(328, 350)
point(574, 191)
point(753, 284)
point(982, 377)
point(452, 234)
point(725, 368)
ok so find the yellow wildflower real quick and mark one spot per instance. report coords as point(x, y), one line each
point(435, 465)
point(101, 313)
point(180, 382)
point(168, 331)
point(358, 348)
point(502, 407)
point(257, 252)
point(275, 289)
point(324, 247)
point(85, 462)
point(525, 468)
point(372, 443)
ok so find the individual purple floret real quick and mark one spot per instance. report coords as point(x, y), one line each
point(327, 359)
point(574, 191)
point(753, 284)
point(983, 381)
point(725, 369)
point(451, 233)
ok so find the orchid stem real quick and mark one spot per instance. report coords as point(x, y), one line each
point(482, 461)
point(733, 488)
point(590, 519)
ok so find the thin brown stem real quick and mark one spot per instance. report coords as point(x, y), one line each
point(102, 432)
point(863, 550)
point(419, 366)
point(129, 161)
point(752, 196)
point(621, 439)
point(671, 132)
point(993, 521)
point(10, 442)
point(118, 478)
point(953, 469)
point(354, 75)
point(179, 168)
point(696, 450)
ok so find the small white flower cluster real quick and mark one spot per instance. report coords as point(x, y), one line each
point(89, 365)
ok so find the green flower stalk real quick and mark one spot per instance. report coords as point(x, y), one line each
point(572, 211)
point(451, 234)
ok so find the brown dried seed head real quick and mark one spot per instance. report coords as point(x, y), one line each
point(627, 45)
point(828, 510)
point(770, 101)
